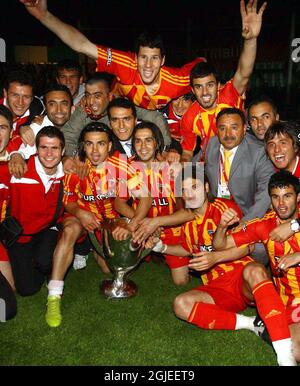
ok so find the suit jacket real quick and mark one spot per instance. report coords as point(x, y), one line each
point(79, 120)
point(117, 145)
point(249, 175)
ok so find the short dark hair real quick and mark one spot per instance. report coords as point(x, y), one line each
point(263, 99)
point(282, 179)
point(283, 128)
point(18, 76)
point(151, 40)
point(190, 96)
point(231, 111)
point(51, 132)
point(121, 102)
point(7, 114)
point(201, 70)
point(194, 171)
point(155, 132)
point(92, 127)
point(58, 87)
point(69, 64)
point(104, 77)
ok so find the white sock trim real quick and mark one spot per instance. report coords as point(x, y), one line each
point(55, 287)
point(284, 352)
point(244, 322)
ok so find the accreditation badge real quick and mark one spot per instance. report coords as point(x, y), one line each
point(224, 191)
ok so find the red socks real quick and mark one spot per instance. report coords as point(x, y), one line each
point(212, 317)
point(271, 310)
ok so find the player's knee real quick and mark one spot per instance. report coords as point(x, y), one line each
point(181, 307)
point(254, 273)
point(181, 281)
point(72, 231)
point(180, 276)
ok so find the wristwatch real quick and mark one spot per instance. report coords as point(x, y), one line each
point(295, 226)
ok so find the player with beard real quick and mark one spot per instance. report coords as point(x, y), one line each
point(211, 97)
point(232, 281)
point(142, 76)
point(89, 202)
point(284, 257)
point(147, 145)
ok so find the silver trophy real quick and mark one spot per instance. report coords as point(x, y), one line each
point(122, 257)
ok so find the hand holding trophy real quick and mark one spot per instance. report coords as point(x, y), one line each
point(122, 257)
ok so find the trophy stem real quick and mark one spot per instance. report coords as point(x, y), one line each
point(122, 257)
point(119, 287)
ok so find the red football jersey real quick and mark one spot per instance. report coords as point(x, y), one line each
point(18, 121)
point(103, 182)
point(258, 230)
point(173, 81)
point(200, 122)
point(4, 188)
point(161, 188)
point(198, 236)
point(296, 171)
point(174, 124)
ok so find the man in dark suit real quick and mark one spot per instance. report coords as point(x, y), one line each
point(123, 116)
point(237, 167)
point(98, 95)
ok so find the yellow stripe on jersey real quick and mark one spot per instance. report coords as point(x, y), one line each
point(135, 181)
point(124, 63)
point(3, 210)
point(117, 58)
point(124, 58)
point(206, 236)
point(239, 227)
point(125, 88)
point(67, 178)
point(159, 97)
point(138, 96)
point(154, 211)
point(288, 249)
point(121, 165)
point(188, 234)
point(175, 79)
point(205, 121)
point(174, 82)
point(226, 267)
point(271, 248)
point(195, 128)
point(221, 205)
point(293, 282)
point(195, 235)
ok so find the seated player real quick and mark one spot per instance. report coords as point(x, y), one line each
point(231, 279)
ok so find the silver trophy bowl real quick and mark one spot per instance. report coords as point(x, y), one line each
point(122, 257)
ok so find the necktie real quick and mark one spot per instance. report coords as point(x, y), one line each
point(227, 163)
point(129, 147)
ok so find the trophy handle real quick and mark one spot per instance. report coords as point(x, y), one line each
point(99, 249)
point(145, 252)
point(96, 244)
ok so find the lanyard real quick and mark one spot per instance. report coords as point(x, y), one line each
point(222, 172)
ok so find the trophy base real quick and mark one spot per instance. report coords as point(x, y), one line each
point(112, 291)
